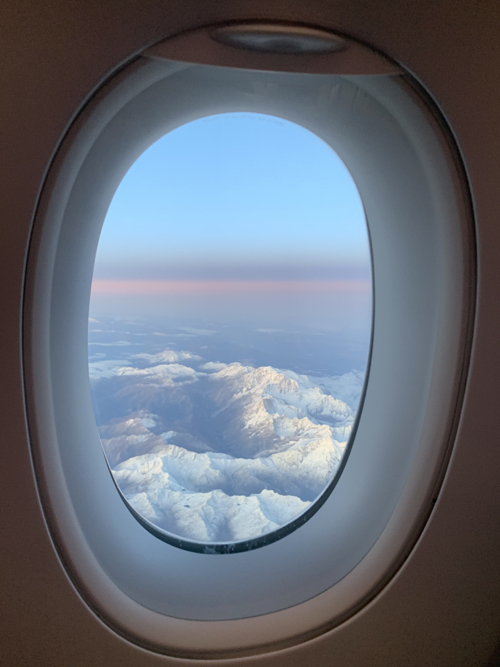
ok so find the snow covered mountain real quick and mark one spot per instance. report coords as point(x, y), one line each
point(220, 452)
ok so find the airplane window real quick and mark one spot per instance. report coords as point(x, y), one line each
point(229, 329)
point(229, 341)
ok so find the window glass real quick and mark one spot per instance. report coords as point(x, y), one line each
point(229, 326)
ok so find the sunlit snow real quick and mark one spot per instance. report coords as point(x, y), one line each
point(222, 452)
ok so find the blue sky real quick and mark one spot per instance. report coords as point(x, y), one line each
point(229, 199)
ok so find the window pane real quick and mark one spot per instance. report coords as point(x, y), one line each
point(230, 326)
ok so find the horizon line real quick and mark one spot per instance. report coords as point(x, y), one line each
point(166, 287)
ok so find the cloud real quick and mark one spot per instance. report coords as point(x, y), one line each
point(213, 366)
point(163, 374)
point(269, 330)
point(99, 370)
point(272, 331)
point(199, 332)
point(118, 343)
point(167, 357)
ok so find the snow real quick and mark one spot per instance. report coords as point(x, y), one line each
point(215, 516)
point(274, 442)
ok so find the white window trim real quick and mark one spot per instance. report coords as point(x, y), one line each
point(410, 180)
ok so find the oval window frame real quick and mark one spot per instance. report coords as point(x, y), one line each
point(212, 547)
point(219, 613)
